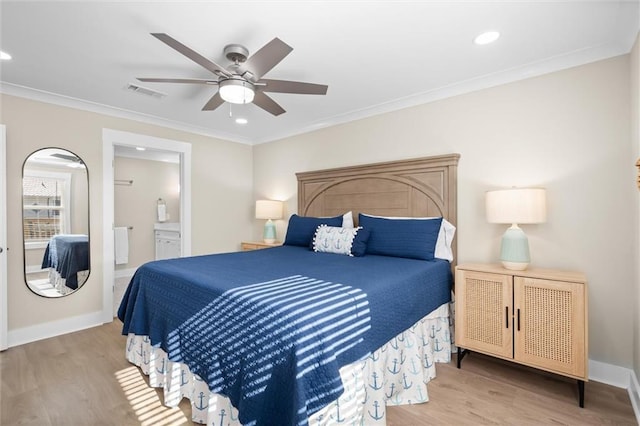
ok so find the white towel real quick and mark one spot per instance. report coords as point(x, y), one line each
point(121, 237)
point(162, 212)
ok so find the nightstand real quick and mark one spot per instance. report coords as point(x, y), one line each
point(535, 317)
point(257, 245)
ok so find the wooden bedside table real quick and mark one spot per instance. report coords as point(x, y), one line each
point(257, 245)
point(535, 317)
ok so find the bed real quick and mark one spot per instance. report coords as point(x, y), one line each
point(67, 256)
point(289, 335)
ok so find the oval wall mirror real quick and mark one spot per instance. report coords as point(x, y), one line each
point(55, 222)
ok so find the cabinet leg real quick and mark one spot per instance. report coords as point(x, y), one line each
point(580, 392)
point(461, 354)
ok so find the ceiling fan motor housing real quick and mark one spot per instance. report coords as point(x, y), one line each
point(236, 53)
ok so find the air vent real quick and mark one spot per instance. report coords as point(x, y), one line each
point(145, 91)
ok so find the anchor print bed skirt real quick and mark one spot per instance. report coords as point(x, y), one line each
point(395, 374)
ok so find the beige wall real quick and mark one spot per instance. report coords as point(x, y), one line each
point(221, 176)
point(568, 131)
point(135, 205)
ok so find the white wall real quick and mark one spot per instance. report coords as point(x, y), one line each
point(221, 191)
point(568, 131)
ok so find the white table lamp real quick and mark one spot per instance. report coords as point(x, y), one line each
point(269, 209)
point(516, 206)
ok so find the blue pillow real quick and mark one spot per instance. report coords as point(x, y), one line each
point(359, 247)
point(301, 228)
point(414, 239)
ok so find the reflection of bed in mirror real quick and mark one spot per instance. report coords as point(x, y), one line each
point(67, 258)
point(190, 322)
point(55, 218)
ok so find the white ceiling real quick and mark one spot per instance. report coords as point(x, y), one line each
point(375, 56)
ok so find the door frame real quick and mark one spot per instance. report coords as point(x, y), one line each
point(4, 317)
point(111, 138)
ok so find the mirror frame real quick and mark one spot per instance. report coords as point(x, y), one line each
point(24, 254)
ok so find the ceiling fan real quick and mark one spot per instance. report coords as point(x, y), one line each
point(242, 82)
point(66, 157)
point(72, 160)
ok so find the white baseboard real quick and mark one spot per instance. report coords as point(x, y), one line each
point(53, 328)
point(619, 377)
point(609, 374)
point(634, 395)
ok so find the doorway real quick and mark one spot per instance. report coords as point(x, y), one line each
point(4, 318)
point(118, 141)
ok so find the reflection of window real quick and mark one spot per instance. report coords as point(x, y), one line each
point(46, 204)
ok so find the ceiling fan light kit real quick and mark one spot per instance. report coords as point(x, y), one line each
point(241, 82)
point(236, 91)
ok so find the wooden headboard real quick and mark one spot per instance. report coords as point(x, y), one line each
point(413, 188)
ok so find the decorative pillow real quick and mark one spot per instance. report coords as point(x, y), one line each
point(445, 235)
point(414, 239)
point(301, 228)
point(340, 240)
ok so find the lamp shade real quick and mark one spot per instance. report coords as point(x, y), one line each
point(516, 205)
point(268, 209)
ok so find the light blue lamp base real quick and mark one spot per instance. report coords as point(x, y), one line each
point(514, 252)
point(269, 235)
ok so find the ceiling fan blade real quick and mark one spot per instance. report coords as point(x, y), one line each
point(285, 86)
point(215, 101)
point(266, 58)
point(268, 104)
point(178, 80)
point(191, 54)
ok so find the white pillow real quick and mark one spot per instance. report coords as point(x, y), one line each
point(347, 220)
point(445, 235)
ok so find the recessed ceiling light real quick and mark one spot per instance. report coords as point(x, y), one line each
point(140, 148)
point(4, 56)
point(241, 120)
point(486, 38)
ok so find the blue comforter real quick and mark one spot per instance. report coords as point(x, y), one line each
point(270, 328)
point(67, 254)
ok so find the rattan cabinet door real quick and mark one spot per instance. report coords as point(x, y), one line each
point(483, 312)
point(550, 325)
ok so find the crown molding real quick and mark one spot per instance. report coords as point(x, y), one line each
point(70, 102)
point(523, 72)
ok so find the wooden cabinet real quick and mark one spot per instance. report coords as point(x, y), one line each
point(534, 317)
point(257, 245)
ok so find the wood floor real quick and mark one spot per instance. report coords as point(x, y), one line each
point(83, 379)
